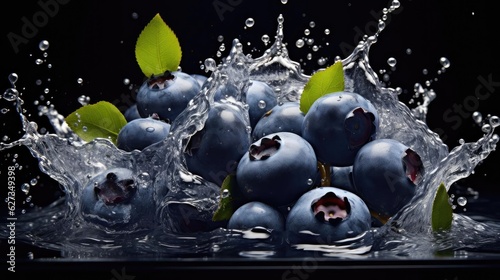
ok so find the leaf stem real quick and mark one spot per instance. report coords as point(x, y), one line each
point(325, 171)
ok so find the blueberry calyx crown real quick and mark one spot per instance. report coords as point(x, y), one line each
point(158, 82)
point(360, 127)
point(331, 208)
point(266, 149)
point(413, 166)
point(114, 191)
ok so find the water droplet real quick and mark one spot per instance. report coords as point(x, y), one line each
point(312, 24)
point(25, 188)
point(477, 117)
point(31, 256)
point(38, 61)
point(444, 62)
point(408, 51)
point(310, 181)
point(225, 193)
point(327, 31)
point(494, 121)
point(126, 81)
point(210, 64)
point(284, 1)
point(79, 81)
point(249, 22)
point(84, 128)
point(135, 15)
point(265, 39)
point(33, 182)
point(486, 128)
point(11, 94)
point(220, 38)
point(281, 19)
point(322, 61)
point(13, 79)
point(150, 129)
point(43, 45)
point(462, 201)
point(262, 104)
point(307, 32)
point(300, 43)
point(84, 100)
point(381, 25)
point(392, 61)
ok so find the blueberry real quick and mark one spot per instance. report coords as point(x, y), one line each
point(214, 151)
point(256, 214)
point(338, 124)
point(277, 169)
point(200, 78)
point(385, 174)
point(113, 200)
point(285, 116)
point(325, 215)
point(141, 133)
point(260, 98)
point(131, 113)
point(166, 95)
point(341, 177)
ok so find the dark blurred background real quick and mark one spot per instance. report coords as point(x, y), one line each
point(94, 41)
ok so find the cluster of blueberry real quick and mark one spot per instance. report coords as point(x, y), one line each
point(319, 176)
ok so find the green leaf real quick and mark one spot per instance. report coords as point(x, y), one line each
point(322, 82)
point(227, 203)
point(99, 120)
point(442, 213)
point(157, 48)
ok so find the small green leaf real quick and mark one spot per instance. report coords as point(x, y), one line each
point(227, 203)
point(442, 213)
point(99, 120)
point(157, 48)
point(322, 82)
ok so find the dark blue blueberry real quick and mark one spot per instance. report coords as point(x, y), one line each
point(260, 98)
point(166, 95)
point(214, 151)
point(385, 174)
point(277, 169)
point(285, 116)
point(338, 124)
point(131, 113)
point(341, 177)
point(141, 133)
point(200, 78)
point(112, 199)
point(325, 215)
point(256, 214)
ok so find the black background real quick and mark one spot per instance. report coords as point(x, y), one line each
point(94, 40)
